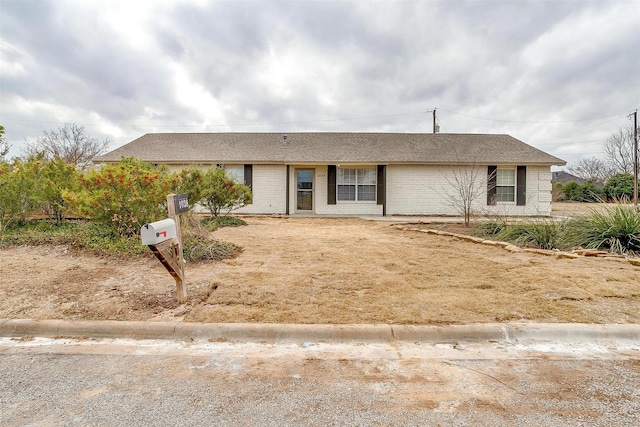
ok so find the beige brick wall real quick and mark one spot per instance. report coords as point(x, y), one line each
point(411, 190)
point(420, 190)
point(269, 195)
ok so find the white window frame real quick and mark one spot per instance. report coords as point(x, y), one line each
point(514, 185)
point(235, 172)
point(357, 183)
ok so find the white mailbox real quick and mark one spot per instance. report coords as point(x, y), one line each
point(157, 232)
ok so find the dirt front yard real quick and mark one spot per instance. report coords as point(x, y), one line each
point(326, 270)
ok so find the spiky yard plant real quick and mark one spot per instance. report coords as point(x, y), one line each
point(616, 229)
point(545, 234)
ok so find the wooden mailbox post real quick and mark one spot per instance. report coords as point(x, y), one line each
point(173, 261)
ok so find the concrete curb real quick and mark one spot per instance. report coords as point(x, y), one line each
point(273, 333)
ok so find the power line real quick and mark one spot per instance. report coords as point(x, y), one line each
point(572, 134)
point(220, 125)
point(532, 121)
point(204, 125)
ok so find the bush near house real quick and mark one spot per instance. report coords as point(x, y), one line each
point(587, 192)
point(619, 187)
point(34, 186)
point(222, 194)
point(122, 196)
point(190, 181)
point(109, 205)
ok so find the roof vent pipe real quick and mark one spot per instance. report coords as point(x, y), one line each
point(284, 139)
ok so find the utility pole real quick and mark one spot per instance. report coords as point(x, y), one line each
point(434, 120)
point(635, 158)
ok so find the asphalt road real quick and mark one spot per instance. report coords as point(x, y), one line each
point(48, 382)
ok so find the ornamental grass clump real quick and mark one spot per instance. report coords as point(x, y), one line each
point(491, 228)
point(616, 229)
point(545, 235)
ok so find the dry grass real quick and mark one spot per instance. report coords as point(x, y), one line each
point(353, 271)
point(576, 208)
point(318, 270)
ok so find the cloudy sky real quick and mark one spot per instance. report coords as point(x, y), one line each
point(560, 75)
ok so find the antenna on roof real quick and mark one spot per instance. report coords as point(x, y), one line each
point(284, 138)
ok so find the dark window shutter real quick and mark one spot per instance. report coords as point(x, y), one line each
point(382, 183)
point(382, 188)
point(331, 184)
point(248, 177)
point(492, 172)
point(521, 186)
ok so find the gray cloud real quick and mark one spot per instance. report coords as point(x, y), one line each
point(490, 66)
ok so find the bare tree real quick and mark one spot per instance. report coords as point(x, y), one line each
point(467, 183)
point(591, 168)
point(69, 143)
point(618, 149)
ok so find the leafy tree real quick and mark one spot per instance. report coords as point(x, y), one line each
point(190, 181)
point(16, 196)
point(4, 145)
point(48, 179)
point(222, 194)
point(619, 187)
point(69, 143)
point(123, 196)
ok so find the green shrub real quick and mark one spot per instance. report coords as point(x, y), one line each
point(616, 229)
point(571, 191)
point(191, 182)
point(41, 232)
point(591, 192)
point(587, 192)
point(122, 196)
point(222, 193)
point(17, 201)
point(95, 239)
point(51, 178)
point(34, 186)
point(619, 187)
point(83, 235)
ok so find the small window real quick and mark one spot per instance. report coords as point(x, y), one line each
point(357, 184)
point(505, 185)
point(367, 184)
point(235, 172)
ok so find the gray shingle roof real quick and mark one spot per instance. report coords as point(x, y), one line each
point(330, 148)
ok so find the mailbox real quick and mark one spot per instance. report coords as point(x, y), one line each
point(157, 232)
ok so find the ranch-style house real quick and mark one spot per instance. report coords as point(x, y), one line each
point(326, 173)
